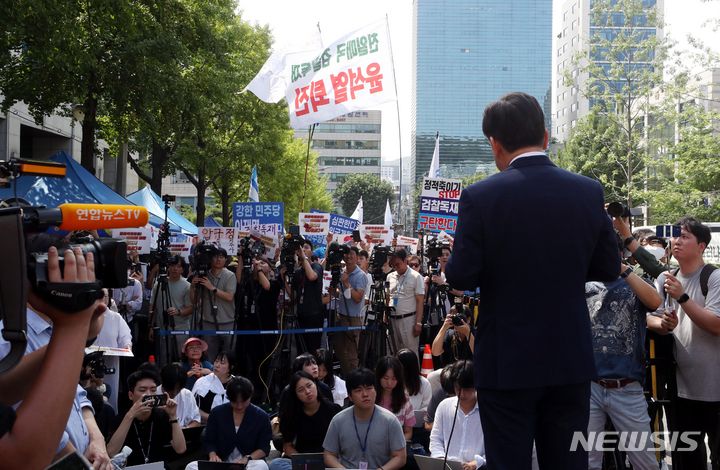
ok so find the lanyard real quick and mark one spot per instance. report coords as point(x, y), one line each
point(363, 445)
point(142, 449)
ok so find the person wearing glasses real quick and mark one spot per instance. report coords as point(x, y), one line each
point(414, 263)
point(407, 295)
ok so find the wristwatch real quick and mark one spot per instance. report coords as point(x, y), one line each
point(683, 298)
point(626, 273)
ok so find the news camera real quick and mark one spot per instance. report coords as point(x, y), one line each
point(95, 361)
point(378, 259)
point(291, 243)
point(433, 251)
point(250, 249)
point(202, 258)
point(618, 209)
point(22, 226)
point(334, 258)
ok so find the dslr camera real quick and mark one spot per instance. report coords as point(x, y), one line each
point(96, 362)
point(618, 209)
point(291, 243)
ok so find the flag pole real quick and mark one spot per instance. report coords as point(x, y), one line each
point(311, 131)
point(397, 108)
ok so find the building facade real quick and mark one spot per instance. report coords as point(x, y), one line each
point(578, 33)
point(347, 145)
point(467, 54)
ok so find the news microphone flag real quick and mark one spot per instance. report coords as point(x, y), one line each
point(73, 216)
point(253, 193)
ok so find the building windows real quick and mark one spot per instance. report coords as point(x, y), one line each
point(346, 144)
point(349, 161)
point(332, 127)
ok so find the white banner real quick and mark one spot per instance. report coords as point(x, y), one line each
point(314, 223)
point(376, 234)
point(138, 239)
point(222, 237)
point(353, 73)
point(411, 244)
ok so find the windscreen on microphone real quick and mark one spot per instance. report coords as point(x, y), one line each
point(77, 216)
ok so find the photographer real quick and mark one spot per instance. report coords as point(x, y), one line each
point(647, 261)
point(407, 293)
point(217, 291)
point(307, 283)
point(354, 283)
point(30, 439)
point(129, 299)
point(180, 309)
point(455, 340)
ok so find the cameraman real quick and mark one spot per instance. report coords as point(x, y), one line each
point(455, 340)
point(307, 284)
point(354, 283)
point(218, 307)
point(180, 309)
point(46, 378)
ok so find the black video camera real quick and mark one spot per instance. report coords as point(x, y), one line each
point(96, 362)
point(250, 249)
point(378, 259)
point(434, 248)
point(202, 258)
point(333, 259)
point(291, 243)
point(618, 210)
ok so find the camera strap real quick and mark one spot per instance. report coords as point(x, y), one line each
point(70, 296)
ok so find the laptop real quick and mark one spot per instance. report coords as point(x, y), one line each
point(147, 466)
point(207, 465)
point(432, 463)
point(310, 461)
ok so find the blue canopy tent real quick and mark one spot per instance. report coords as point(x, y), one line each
point(79, 185)
point(155, 205)
point(210, 222)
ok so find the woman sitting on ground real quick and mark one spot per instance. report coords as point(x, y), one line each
point(210, 391)
point(326, 376)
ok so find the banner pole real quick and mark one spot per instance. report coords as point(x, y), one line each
point(397, 109)
point(311, 131)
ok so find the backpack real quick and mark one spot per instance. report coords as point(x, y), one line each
point(704, 277)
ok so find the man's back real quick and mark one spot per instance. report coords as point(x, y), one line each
point(529, 237)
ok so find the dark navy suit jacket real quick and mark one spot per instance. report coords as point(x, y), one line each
point(530, 237)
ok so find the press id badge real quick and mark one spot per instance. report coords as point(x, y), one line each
point(362, 465)
point(395, 301)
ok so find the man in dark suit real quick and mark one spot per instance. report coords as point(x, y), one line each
point(529, 237)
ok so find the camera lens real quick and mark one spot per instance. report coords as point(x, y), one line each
point(615, 209)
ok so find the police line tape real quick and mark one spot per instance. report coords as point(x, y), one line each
point(330, 329)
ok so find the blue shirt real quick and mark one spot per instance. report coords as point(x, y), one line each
point(39, 332)
point(358, 280)
point(617, 322)
point(222, 438)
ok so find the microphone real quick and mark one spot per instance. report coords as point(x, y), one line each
point(77, 216)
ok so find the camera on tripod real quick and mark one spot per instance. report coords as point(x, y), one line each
point(96, 362)
point(433, 251)
point(250, 249)
point(291, 243)
point(202, 258)
point(378, 259)
point(334, 258)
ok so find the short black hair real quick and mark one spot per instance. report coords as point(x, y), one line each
point(656, 239)
point(401, 254)
point(239, 387)
point(516, 120)
point(173, 376)
point(446, 379)
point(463, 374)
point(360, 377)
point(355, 249)
point(302, 360)
point(176, 259)
point(220, 252)
point(694, 226)
point(141, 374)
point(307, 242)
point(364, 253)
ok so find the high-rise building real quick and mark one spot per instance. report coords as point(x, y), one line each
point(467, 54)
point(348, 144)
point(575, 38)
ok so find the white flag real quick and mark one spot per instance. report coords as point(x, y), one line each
point(388, 214)
point(434, 171)
point(353, 73)
point(358, 214)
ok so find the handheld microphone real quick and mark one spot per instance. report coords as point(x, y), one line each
point(73, 216)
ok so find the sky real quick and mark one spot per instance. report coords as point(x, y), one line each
point(291, 21)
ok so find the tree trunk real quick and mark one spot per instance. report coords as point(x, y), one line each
point(158, 160)
point(201, 188)
point(225, 203)
point(89, 124)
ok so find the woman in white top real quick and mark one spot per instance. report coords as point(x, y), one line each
point(326, 375)
point(210, 391)
point(173, 382)
point(417, 387)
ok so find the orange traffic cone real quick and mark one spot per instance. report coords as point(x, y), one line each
point(427, 362)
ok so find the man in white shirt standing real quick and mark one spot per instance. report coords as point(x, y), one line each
point(407, 292)
point(467, 443)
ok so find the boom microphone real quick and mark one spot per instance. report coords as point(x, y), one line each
point(73, 216)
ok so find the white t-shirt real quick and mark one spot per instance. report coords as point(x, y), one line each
point(210, 383)
point(187, 409)
point(421, 400)
point(339, 391)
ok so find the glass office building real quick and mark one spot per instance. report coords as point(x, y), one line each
point(466, 54)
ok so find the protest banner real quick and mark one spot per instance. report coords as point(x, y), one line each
point(409, 243)
point(439, 204)
point(222, 237)
point(181, 245)
point(265, 217)
point(341, 227)
point(314, 227)
point(354, 72)
point(376, 234)
point(271, 243)
point(138, 239)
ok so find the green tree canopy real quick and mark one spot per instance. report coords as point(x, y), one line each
point(374, 192)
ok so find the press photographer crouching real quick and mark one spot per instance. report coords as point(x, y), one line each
point(213, 295)
point(63, 312)
point(455, 340)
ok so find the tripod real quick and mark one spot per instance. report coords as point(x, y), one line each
point(168, 346)
point(377, 339)
point(287, 347)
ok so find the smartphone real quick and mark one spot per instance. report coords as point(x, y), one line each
point(356, 236)
point(72, 461)
point(667, 231)
point(158, 400)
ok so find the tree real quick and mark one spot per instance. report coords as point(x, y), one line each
point(374, 192)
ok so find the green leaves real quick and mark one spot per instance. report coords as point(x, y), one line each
point(374, 192)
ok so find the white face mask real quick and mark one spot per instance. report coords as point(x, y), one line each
point(102, 389)
point(657, 251)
